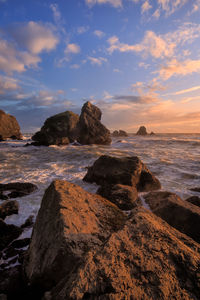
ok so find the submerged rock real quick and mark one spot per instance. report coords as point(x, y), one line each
point(57, 130)
point(84, 247)
point(8, 208)
point(142, 131)
point(126, 171)
point(90, 128)
point(176, 212)
point(17, 189)
point(9, 127)
point(119, 133)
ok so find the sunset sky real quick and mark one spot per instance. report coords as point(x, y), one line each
point(138, 60)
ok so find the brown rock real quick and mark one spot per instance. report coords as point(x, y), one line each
point(90, 128)
point(17, 189)
point(194, 200)
point(145, 259)
point(142, 131)
point(29, 222)
point(119, 133)
point(176, 212)
point(70, 222)
point(8, 233)
point(9, 127)
point(57, 130)
point(8, 208)
point(126, 171)
point(124, 196)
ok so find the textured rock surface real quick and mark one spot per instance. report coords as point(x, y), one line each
point(126, 171)
point(90, 128)
point(194, 200)
point(17, 189)
point(178, 213)
point(57, 130)
point(145, 259)
point(9, 127)
point(69, 223)
point(142, 131)
point(119, 133)
point(124, 196)
point(8, 208)
point(8, 233)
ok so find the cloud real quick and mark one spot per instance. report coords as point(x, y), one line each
point(169, 6)
point(56, 12)
point(12, 59)
point(99, 33)
point(75, 66)
point(82, 29)
point(35, 37)
point(181, 68)
point(145, 7)
point(116, 70)
point(135, 99)
point(192, 89)
point(114, 3)
point(72, 48)
point(189, 99)
point(8, 84)
point(97, 60)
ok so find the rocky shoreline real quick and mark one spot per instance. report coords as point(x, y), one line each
point(105, 245)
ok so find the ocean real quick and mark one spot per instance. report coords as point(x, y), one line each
point(173, 158)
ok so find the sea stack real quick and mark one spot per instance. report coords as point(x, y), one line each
point(90, 128)
point(142, 131)
point(9, 127)
point(119, 133)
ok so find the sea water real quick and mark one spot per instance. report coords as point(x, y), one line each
point(173, 158)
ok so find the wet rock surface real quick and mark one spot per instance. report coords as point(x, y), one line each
point(9, 127)
point(84, 247)
point(16, 189)
point(90, 128)
point(178, 213)
point(8, 233)
point(8, 208)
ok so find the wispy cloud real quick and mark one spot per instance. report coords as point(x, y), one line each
point(99, 33)
point(114, 3)
point(97, 60)
point(72, 48)
point(82, 29)
point(146, 6)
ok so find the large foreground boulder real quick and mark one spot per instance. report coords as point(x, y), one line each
point(178, 213)
point(9, 127)
point(84, 247)
point(126, 170)
point(69, 223)
point(142, 131)
point(90, 128)
point(57, 130)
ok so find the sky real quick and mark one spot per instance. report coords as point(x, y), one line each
point(137, 60)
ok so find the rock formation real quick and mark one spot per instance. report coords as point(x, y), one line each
point(57, 130)
point(9, 127)
point(16, 189)
point(8, 208)
point(84, 247)
point(119, 133)
point(142, 131)
point(90, 128)
point(178, 213)
point(126, 170)
point(194, 200)
point(8, 233)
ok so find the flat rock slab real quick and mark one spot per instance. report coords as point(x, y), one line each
point(178, 213)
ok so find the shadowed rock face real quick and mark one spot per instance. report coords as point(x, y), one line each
point(90, 128)
point(84, 247)
point(127, 171)
point(119, 133)
point(142, 131)
point(57, 130)
point(9, 127)
point(178, 213)
point(8, 208)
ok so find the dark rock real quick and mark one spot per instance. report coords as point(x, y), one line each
point(3, 197)
point(29, 222)
point(18, 189)
point(152, 133)
point(126, 171)
point(11, 282)
point(124, 196)
point(144, 258)
point(119, 133)
point(10, 252)
point(57, 130)
point(21, 243)
point(180, 214)
point(90, 128)
point(70, 222)
point(194, 200)
point(9, 126)
point(8, 208)
point(8, 233)
point(1, 138)
point(196, 189)
point(3, 297)
point(142, 131)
